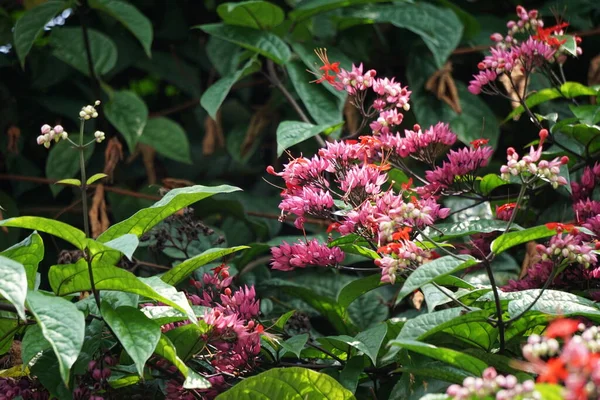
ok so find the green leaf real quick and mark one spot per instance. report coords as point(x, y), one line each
point(553, 302)
point(187, 339)
point(137, 334)
point(69, 47)
point(294, 345)
point(288, 383)
point(359, 250)
point(290, 133)
point(31, 25)
point(63, 326)
point(585, 134)
point(253, 14)
point(373, 339)
point(72, 278)
point(181, 271)
point(433, 270)
point(176, 199)
point(166, 350)
point(64, 161)
point(357, 288)
point(130, 17)
point(588, 114)
point(29, 252)
point(568, 90)
point(126, 245)
point(452, 357)
point(550, 391)
point(351, 373)
point(309, 8)
point(94, 178)
point(33, 343)
point(264, 43)
point(453, 230)
point(128, 113)
point(491, 182)
point(512, 239)
point(53, 227)
point(281, 321)
point(168, 138)
point(70, 181)
point(14, 284)
point(214, 96)
point(323, 107)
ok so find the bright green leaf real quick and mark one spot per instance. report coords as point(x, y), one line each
point(137, 334)
point(511, 239)
point(357, 288)
point(63, 326)
point(310, 8)
point(126, 244)
point(14, 284)
point(130, 17)
point(129, 114)
point(53, 227)
point(253, 14)
point(453, 230)
point(491, 182)
point(29, 252)
point(168, 138)
point(94, 178)
point(70, 181)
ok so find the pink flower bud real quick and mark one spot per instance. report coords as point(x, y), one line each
point(58, 129)
point(46, 129)
point(41, 139)
point(496, 37)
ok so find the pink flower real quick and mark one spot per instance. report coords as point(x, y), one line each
point(307, 200)
point(287, 257)
point(361, 182)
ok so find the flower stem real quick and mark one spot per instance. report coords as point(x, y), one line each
point(83, 187)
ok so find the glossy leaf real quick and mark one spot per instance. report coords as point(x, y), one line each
point(130, 17)
point(29, 252)
point(181, 271)
point(63, 326)
point(168, 138)
point(585, 134)
point(13, 285)
point(53, 227)
point(166, 350)
point(433, 270)
point(128, 113)
point(294, 345)
point(72, 182)
point(264, 43)
point(369, 341)
point(253, 14)
point(357, 288)
point(553, 302)
point(176, 199)
point(33, 343)
point(491, 182)
point(69, 47)
point(288, 383)
point(137, 334)
point(95, 178)
point(290, 133)
point(31, 25)
point(187, 339)
point(453, 230)
point(512, 239)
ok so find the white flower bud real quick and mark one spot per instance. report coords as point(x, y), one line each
point(41, 139)
point(82, 114)
point(46, 128)
point(64, 135)
point(97, 103)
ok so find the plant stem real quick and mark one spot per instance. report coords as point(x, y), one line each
point(500, 322)
point(83, 187)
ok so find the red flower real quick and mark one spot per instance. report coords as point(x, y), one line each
point(333, 227)
point(544, 34)
point(402, 234)
point(327, 68)
point(559, 227)
point(507, 207)
point(407, 185)
point(563, 328)
point(554, 372)
point(477, 143)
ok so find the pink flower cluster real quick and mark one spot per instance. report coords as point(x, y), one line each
point(493, 385)
point(531, 165)
point(48, 134)
point(287, 257)
point(567, 249)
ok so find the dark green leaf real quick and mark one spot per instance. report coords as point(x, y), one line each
point(264, 43)
point(351, 373)
point(309, 8)
point(187, 339)
point(168, 138)
point(31, 25)
point(130, 17)
point(357, 288)
point(288, 383)
point(29, 252)
point(14, 284)
point(33, 343)
point(588, 114)
point(166, 350)
point(137, 334)
point(53, 227)
point(585, 134)
point(253, 14)
point(128, 114)
point(70, 48)
point(511, 239)
point(294, 345)
point(176, 199)
point(63, 326)
point(452, 230)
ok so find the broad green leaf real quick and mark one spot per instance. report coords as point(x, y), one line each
point(369, 341)
point(166, 350)
point(491, 182)
point(309, 8)
point(550, 391)
point(568, 90)
point(46, 370)
point(176, 299)
point(63, 326)
point(587, 114)
point(294, 345)
point(126, 245)
point(288, 383)
point(214, 96)
point(253, 14)
point(168, 138)
point(453, 230)
point(9, 326)
point(64, 161)
point(323, 107)
point(29, 252)
point(137, 334)
point(130, 17)
point(357, 288)
point(585, 134)
point(553, 302)
point(13, 284)
point(33, 343)
point(359, 250)
point(53, 227)
point(436, 296)
point(433, 270)
point(181, 271)
point(69, 47)
point(163, 315)
point(281, 321)
point(72, 278)
point(264, 43)
point(351, 373)
point(70, 181)
point(512, 239)
point(128, 113)
point(95, 178)
point(187, 339)
point(31, 25)
point(290, 133)
point(176, 199)
point(455, 358)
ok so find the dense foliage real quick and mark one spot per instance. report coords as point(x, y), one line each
point(395, 200)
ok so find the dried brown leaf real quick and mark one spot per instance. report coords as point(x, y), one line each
point(4, 229)
point(98, 216)
point(417, 299)
point(259, 121)
point(112, 155)
point(148, 155)
point(442, 85)
point(174, 183)
point(352, 117)
point(518, 80)
point(14, 133)
point(213, 135)
point(530, 257)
